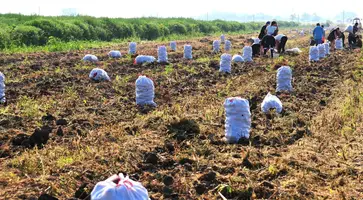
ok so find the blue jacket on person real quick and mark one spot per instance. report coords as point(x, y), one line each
point(318, 33)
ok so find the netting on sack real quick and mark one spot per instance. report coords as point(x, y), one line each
point(284, 77)
point(216, 46)
point(188, 52)
point(247, 54)
point(227, 45)
point(98, 74)
point(225, 64)
point(271, 102)
point(114, 54)
point(90, 58)
point(314, 53)
point(223, 38)
point(173, 45)
point(238, 119)
point(2, 88)
point(118, 187)
point(237, 58)
point(140, 59)
point(145, 91)
point(162, 54)
point(339, 44)
point(327, 48)
point(321, 49)
point(132, 48)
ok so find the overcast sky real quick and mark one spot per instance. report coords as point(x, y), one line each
point(184, 8)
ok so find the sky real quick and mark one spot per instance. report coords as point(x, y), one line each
point(180, 8)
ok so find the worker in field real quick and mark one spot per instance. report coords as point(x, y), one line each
point(281, 41)
point(272, 29)
point(268, 43)
point(352, 37)
point(263, 29)
point(318, 33)
point(333, 35)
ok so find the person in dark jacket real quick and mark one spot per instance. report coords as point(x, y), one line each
point(268, 43)
point(352, 37)
point(263, 31)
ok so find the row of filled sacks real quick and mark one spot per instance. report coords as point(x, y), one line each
point(319, 52)
point(227, 59)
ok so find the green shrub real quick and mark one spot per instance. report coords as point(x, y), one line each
point(26, 35)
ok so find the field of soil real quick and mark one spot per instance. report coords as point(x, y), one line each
point(61, 133)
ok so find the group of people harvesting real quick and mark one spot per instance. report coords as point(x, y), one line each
point(269, 39)
point(354, 40)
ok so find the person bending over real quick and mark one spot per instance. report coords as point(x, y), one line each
point(281, 40)
point(268, 43)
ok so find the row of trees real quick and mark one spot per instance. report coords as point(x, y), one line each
point(21, 30)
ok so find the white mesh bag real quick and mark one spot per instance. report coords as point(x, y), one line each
point(188, 52)
point(114, 54)
point(247, 54)
point(118, 187)
point(98, 74)
point(339, 44)
point(145, 91)
point(314, 53)
point(237, 58)
point(225, 64)
point(321, 49)
point(238, 119)
point(227, 45)
point(216, 46)
point(173, 45)
point(327, 48)
point(132, 48)
point(162, 54)
point(284, 77)
point(90, 58)
point(2, 88)
point(144, 59)
point(271, 102)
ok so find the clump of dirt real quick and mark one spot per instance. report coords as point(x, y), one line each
point(184, 129)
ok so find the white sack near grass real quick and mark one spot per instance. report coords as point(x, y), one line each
point(145, 91)
point(238, 119)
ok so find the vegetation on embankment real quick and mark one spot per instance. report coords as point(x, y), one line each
point(18, 31)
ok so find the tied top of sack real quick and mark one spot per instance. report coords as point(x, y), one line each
point(118, 187)
point(237, 105)
point(144, 81)
point(284, 72)
point(98, 74)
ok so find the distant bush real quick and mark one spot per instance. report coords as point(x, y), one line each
point(26, 35)
point(22, 30)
